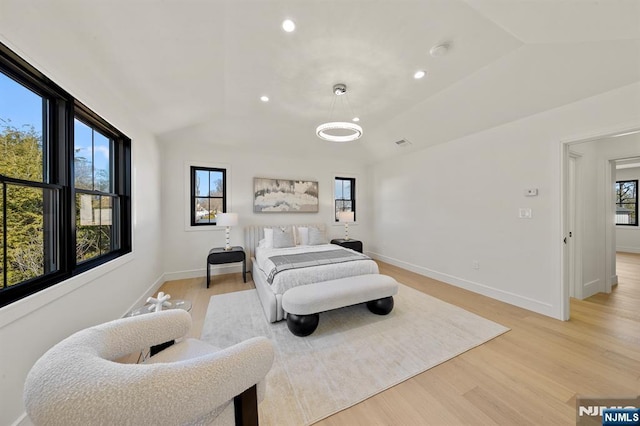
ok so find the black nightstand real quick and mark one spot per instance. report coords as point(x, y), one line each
point(218, 256)
point(351, 244)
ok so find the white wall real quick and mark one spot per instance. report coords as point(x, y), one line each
point(32, 325)
point(438, 210)
point(186, 249)
point(628, 237)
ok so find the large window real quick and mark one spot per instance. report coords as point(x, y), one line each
point(627, 202)
point(65, 176)
point(208, 194)
point(345, 196)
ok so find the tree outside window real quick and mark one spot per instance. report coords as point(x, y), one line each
point(345, 196)
point(25, 189)
point(627, 202)
point(94, 201)
point(208, 194)
point(65, 204)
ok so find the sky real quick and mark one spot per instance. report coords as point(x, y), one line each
point(20, 107)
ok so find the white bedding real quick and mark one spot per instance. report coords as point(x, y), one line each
point(285, 280)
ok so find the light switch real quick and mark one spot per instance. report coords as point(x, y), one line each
point(524, 213)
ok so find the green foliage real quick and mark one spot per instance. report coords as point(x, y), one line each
point(21, 157)
point(21, 154)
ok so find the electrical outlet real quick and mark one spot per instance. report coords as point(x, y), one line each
point(475, 264)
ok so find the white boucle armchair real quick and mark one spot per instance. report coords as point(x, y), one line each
point(78, 381)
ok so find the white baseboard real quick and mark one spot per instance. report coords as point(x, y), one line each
point(628, 249)
point(591, 288)
point(195, 273)
point(151, 290)
point(23, 420)
point(613, 280)
point(504, 296)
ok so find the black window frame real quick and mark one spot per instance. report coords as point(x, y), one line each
point(193, 196)
point(58, 153)
point(623, 204)
point(352, 194)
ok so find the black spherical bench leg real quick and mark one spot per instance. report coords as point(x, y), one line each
point(381, 306)
point(302, 325)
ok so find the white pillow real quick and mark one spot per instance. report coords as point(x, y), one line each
point(316, 237)
point(261, 243)
point(268, 237)
point(283, 238)
point(303, 236)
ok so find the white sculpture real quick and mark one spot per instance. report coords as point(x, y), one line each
point(158, 302)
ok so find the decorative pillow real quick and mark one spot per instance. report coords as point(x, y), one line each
point(283, 238)
point(303, 236)
point(268, 238)
point(316, 237)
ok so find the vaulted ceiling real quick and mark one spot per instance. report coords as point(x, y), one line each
point(194, 70)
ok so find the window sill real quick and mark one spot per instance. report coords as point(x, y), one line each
point(191, 228)
point(628, 227)
point(29, 304)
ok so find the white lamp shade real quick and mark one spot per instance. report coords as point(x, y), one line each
point(227, 219)
point(345, 217)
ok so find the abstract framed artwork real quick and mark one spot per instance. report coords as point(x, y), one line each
point(285, 196)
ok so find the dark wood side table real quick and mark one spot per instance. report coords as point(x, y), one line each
point(218, 256)
point(351, 244)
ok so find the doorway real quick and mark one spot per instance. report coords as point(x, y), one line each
point(627, 230)
point(589, 208)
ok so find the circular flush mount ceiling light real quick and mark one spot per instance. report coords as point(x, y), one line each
point(339, 131)
point(419, 74)
point(288, 25)
point(355, 119)
point(264, 98)
point(439, 50)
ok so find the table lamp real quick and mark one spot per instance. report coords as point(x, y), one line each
point(228, 220)
point(346, 218)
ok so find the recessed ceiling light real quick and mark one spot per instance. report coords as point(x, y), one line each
point(288, 25)
point(264, 98)
point(355, 119)
point(419, 74)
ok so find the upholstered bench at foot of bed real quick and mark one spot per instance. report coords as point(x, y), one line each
point(303, 304)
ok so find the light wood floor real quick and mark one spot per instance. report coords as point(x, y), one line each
point(530, 375)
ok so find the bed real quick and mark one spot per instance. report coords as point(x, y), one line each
point(271, 286)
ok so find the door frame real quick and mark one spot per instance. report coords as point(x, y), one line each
point(574, 226)
point(564, 211)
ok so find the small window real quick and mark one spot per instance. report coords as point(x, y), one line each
point(208, 194)
point(345, 196)
point(627, 202)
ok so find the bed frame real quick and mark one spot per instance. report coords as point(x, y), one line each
point(271, 302)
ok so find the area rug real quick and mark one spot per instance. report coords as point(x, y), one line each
point(352, 355)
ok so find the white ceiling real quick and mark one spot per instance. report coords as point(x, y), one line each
point(194, 70)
